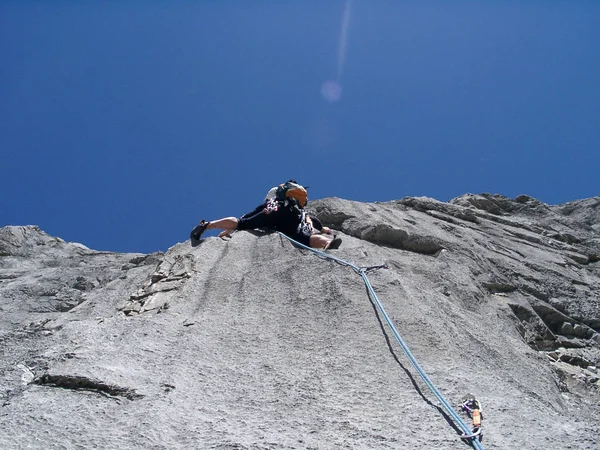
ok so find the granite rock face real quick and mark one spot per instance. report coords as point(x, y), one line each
point(253, 344)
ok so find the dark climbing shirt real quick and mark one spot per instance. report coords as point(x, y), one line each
point(282, 216)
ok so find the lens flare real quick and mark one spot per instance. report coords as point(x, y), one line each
point(343, 40)
point(332, 90)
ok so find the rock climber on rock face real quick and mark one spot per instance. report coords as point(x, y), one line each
point(282, 210)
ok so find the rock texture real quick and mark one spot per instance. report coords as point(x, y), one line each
point(254, 344)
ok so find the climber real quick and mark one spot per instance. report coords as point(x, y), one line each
point(282, 213)
point(280, 216)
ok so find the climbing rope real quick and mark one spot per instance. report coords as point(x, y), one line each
point(362, 271)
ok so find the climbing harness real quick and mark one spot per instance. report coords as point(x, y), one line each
point(473, 408)
point(362, 271)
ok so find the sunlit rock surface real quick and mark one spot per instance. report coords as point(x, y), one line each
point(254, 344)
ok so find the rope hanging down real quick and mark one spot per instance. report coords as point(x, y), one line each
point(362, 271)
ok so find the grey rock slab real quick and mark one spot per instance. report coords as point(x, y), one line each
point(253, 343)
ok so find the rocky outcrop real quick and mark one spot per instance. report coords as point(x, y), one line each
point(168, 276)
point(253, 343)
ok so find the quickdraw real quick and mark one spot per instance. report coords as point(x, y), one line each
point(380, 266)
point(473, 408)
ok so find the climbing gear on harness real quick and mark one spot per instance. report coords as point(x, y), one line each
point(271, 206)
point(473, 408)
point(305, 226)
point(196, 233)
point(363, 273)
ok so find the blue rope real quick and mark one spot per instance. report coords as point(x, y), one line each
point(363, 273)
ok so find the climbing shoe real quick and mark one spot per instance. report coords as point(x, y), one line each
point(335, 243)
point(196, 233)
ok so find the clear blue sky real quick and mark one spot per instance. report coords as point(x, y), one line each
point(124, 123)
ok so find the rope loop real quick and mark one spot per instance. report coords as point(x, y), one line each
point(468, 434)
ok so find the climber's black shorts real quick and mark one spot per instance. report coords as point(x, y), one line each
point(275, 216)
point(302, 236)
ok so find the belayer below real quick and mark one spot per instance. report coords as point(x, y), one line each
point(282, 210)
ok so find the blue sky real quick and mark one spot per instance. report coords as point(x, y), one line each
point(124, 123)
